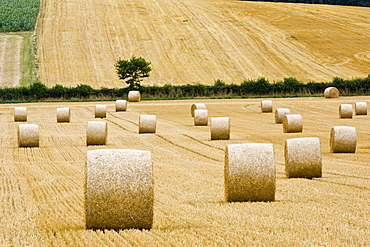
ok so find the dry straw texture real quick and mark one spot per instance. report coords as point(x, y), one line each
point(249, 172)
point(197, 106)
point(134, 96)
point(292, 123)
point(63, 114)
point(96, 133)
point(343, 139)
point(280, 113)
point(200, 117)
point(361, 108)
point(331, 92)
point(119, 189)
point(147, 124)
point(20, 114)
point(100, 111)
point(345, 111)
point(28, 135)
point(220, 128)
point(266, 105)
point(121, 105)
point(303, 158)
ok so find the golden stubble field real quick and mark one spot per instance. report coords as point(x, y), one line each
point(10, 60)
point(200, 41)
point(42, 195)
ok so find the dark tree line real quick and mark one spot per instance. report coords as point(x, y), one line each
point(260, 87)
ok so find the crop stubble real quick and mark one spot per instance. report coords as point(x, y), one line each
point(200, 41)
point(42, 188)
point(10, 60)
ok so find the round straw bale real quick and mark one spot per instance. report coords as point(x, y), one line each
point(361, 108)
point(303, 157)
point(197, 106)
point(343, 139)
point(280, 113)
point(63, 114)
point(28, 135)
point(331, 92)
point(266, 105)
point(147, 124)
point(133, 96)
point(220, 128)
point(121, 105)
point(119, 190)
point(96, 133)
point(100, 111)
point(200, 117)
point(345, 111)
point(249, 172)
point(292, 123)
point(20, 114)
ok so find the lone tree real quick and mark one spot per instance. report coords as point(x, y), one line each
point(133, 70)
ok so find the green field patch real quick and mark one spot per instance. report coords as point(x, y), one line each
point(18, 15)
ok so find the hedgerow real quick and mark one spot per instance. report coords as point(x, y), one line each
point(261, 87)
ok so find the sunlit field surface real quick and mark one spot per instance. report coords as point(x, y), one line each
point(200, 41)
point(42, 189)
point(10, 60)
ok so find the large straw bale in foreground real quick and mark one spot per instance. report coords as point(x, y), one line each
point(266, 106)
point(119, 189)
point(20, 114)
point(220, 128)
point(345, 111)
point(147, 124)
point(361, 108)
point(343, 139)
point(249, 172)
point(63, 115)
point(96, 133)
point(197, 106)
point(200, 117)
point(303, 157)
point(292, 123)
point(100, 111)
point(133, 96)
point(121, 105)
point(331, 92)
point(280, 113)
point(28, 135)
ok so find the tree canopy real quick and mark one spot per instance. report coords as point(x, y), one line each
point(133, 70)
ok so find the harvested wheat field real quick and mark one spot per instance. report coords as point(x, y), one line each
point(42, 188)
point(200, 41)
point(10, 60)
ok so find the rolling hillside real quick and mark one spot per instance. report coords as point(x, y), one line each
point(199, 41)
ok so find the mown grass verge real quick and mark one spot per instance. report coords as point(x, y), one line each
point(28, 66)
